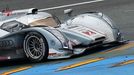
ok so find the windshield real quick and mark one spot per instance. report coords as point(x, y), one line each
point(45, 22)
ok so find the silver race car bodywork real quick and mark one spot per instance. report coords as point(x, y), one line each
point(39, 35)
point(98, 22)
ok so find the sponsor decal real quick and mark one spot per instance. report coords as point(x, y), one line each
point(83, 30)
point(6, 43)
point(52, 54)
point(88, 32)
point(55, 54)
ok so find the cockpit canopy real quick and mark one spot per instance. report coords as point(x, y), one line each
point(15, 25)
point(50, 21)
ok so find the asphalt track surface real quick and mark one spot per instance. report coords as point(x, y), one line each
point(109, 61)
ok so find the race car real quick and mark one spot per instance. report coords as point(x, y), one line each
point(40, 35)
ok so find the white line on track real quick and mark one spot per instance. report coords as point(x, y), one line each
point(69, 5)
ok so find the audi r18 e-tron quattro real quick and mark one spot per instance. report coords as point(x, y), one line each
point(40, 35)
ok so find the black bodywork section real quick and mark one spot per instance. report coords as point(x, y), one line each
point(12, 44)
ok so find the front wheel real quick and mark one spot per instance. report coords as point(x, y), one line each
point(35, 47)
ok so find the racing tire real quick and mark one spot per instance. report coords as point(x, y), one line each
point(35, 47)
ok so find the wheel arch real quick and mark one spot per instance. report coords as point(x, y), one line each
point(42, 46)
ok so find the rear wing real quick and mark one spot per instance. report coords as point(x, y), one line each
point(7, 13)
point(24, 11)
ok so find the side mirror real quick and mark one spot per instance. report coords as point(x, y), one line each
point(68, 12)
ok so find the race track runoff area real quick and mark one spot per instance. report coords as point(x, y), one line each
point(117, 60)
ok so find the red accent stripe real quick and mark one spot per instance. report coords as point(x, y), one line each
point(7, 12)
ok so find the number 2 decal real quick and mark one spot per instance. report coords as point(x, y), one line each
point(89, 32)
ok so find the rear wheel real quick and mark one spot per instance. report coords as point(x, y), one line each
point(35, 47)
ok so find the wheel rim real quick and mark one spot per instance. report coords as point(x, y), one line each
point(35, 47)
